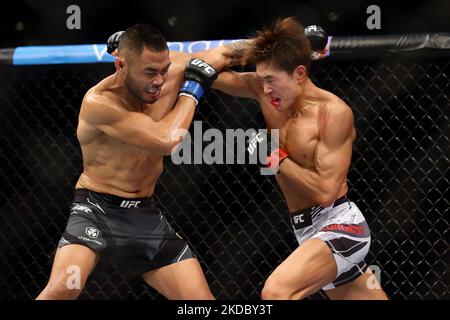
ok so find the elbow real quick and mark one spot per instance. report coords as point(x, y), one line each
point(170, 145)
point(160, 146)
point(167, 146)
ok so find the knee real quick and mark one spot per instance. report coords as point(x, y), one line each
point(59, 291)
point(274, 290)
point(277, 290)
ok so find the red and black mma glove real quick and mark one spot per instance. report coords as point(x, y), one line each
point(275, 158)
point(198, 78)
point(113, 42)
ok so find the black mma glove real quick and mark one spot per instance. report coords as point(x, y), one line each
point(318, 39)
point(113, 42)
point(198, 78)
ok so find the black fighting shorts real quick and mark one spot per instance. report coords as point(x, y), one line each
point(132, 229)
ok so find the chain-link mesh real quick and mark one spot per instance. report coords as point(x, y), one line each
point(233, 217)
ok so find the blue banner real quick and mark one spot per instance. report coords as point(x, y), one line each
point(93, 53)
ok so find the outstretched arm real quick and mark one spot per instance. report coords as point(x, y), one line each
point(238, 84)
point(221, 57)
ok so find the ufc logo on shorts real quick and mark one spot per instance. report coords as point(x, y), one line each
point(299, 219)
point(129, 204)
point(202, 64)
point(251, 148)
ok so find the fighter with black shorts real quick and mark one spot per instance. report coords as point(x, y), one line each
point(132, 228)
point(127, 123)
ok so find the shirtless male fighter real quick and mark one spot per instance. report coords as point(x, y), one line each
point(127, 123)
point(316, 134)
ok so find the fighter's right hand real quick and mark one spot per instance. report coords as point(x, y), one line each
point(113, 42)
point(198, 78)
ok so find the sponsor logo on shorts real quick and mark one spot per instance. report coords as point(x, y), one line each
point(348, 228)
point(92, 232)
point(90, 240)
point(130, 204)
point(301, 220)
point(79, 207)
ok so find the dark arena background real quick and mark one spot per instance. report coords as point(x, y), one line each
point(395, 79)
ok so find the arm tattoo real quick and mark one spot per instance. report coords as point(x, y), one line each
point(235, 51)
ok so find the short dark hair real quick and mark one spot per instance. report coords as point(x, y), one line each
point(283, 43)
point(140, 36)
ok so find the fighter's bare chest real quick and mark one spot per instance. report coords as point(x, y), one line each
point(122, 154)
point(299, 138)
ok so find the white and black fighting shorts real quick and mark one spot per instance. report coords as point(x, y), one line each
point(132, 229)
point(343, 228)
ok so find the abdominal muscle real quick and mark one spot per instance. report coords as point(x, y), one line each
point(297, 199)
point(125, 172)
